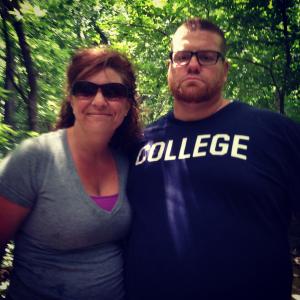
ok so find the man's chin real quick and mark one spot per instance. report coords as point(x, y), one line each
point(191, 97)
point(191, 93)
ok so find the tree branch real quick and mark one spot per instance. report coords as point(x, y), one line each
point(267, 68)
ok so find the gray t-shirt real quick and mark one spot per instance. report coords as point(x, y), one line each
point(68, 247)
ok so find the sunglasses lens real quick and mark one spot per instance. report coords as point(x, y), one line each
point(110, 91)
point(114, 90)
point(84, 89)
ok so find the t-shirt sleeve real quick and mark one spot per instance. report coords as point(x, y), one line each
point(18, 174)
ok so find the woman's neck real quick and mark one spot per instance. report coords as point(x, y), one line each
point(88, 146)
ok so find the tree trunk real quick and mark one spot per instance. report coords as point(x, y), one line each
point(31, 76)
point(9, 103)
point(31, 101)
point(282, 7)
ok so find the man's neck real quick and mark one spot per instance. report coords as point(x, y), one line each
point(192, 111)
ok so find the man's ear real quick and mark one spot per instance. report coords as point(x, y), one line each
point(167, 62)
point(226, 69)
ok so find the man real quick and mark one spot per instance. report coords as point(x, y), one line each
point(212, 188)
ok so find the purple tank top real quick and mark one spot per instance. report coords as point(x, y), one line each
point(106, 202)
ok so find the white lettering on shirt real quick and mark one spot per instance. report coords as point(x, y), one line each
point(216, 144)
point(236, 145)
point(205, 144)
point(142, 156)
point(199, 144)
point(183, 155)
point(161, 147)
point(168, 155)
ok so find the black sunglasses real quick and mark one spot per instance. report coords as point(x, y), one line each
point(110, 91)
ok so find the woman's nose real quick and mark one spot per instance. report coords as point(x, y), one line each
point(99, 99)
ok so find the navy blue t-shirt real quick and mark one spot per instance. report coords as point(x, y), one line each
point(212, 201)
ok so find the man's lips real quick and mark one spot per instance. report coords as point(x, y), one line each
point(192, 81)
point(192, 78)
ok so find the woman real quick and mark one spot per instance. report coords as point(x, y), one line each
point(62, 194)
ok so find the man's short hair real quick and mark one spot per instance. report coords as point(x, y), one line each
point(203, 24)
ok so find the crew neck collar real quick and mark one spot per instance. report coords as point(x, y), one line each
point(216, 114)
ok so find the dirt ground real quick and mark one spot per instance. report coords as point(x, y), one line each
point(295, 291)
point(296, 283)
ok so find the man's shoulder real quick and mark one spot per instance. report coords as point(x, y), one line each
point(159, 124)
point(264, 114)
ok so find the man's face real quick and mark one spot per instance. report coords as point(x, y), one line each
point(194, 82)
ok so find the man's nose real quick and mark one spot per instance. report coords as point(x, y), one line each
point(194, 65)
point(194, 60)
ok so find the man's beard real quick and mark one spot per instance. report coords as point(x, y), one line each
point(194, 93)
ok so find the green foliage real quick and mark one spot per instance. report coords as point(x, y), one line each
point(263, 52)
point(6, 265)
point(263, 40)
point(9, 138)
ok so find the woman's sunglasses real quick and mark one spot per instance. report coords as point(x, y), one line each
point(110, 91)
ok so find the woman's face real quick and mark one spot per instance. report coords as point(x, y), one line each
point(100, 108)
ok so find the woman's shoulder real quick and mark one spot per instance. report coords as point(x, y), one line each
point(33, 148)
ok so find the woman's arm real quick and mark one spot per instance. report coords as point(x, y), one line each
point(11, 217)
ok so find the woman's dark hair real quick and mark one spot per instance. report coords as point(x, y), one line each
point(89, 61)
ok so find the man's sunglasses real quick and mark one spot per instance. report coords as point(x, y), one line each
point(111, 91)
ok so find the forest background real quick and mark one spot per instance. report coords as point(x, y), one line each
point(38, 37)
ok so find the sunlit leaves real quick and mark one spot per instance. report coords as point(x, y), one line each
point(159, 3)
point(9, 138)
point(27, 8)
point(143, 29)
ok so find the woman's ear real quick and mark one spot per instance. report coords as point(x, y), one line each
point(127, 109)
point(70, 100)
